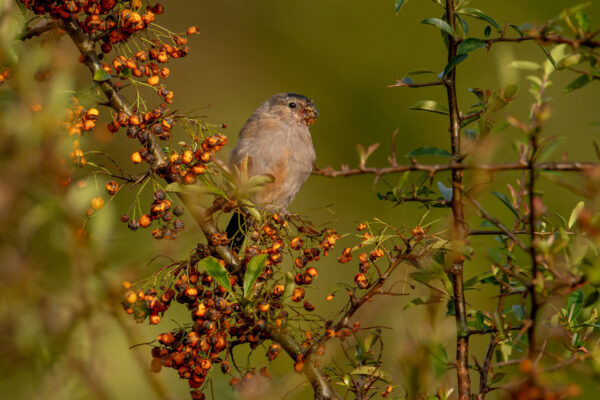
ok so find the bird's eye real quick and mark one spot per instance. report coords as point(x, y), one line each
point(292, 105)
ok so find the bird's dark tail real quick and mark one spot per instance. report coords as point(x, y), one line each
point(236, 230)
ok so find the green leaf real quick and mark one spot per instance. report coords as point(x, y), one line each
point(438, 352)
point(369, 370)
point(457, 59)
point(551, 59)
point(414, 302)
point(428, 151)
point(510, 91)
point(479, 317)
point(100, 75)
point(506, 351)
point(525, 65)
point(519, 312)
point(399, 4)
point(583, 21)
point(487, 31)
point(475, 13)
point(578, 83)
point(254, 213)
point(440, 23)
point(470, 44)
point(506, 202)
point(575, 214)
point(591, 299)
point(446, 192)
point(174, 187)
point(403, 179)
point(574, 305)
point(431, 106)
point(125, 73)
point(470, 283)
point(212, 267)
point(253, 270)
point(419, 72)
point(498, 377)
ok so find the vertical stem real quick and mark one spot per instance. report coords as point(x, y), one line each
point(532, 248)
point(458, 233)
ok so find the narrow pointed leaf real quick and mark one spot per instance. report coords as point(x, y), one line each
point(525, 65)
point(399, 4)
point(212, 267)
point(431, 106)
point(428, 151)
point(446, 192)
point(575, 214)
point(578, 83)
point(475, 13)
point(419, 72)
point(519, 312)
point(591, 299)
point(253, 270)
point(101, 75)
point(457, 59)
point(440, 23)
point(506, 202)
point(574, 305)
point(470, 44)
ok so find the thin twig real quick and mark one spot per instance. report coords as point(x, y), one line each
point(577, 166)
point(484, 214)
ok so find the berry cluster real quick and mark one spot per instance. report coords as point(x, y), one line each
point(79, 119)
point(160, 210)
point(185, 166)
point(100, 17)
point(221, 319)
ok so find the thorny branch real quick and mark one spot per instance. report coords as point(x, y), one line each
point(433, 169)
point(356, 303)
point(459, 233)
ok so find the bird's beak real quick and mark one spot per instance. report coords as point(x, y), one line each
point(310, 114)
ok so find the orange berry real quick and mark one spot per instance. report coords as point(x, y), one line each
point(131, 297)
point(296, 243)
point(187, 157)
point(136, 157)
point(263, 306)
point(154, 319)
point(144, 221)
point(200, 311)
point(153, 80)
point(162, 57)
point(278, 290)
point(111, 187)
point(192, 30)
point(92, 114)
point(198, 169)
point(299, 366)
point(88, 125)
point(97, 203)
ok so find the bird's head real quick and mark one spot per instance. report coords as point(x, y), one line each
point(292, 107)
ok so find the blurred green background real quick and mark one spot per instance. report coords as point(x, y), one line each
point(341, 54)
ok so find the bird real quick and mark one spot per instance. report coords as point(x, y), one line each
point(275, 141)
